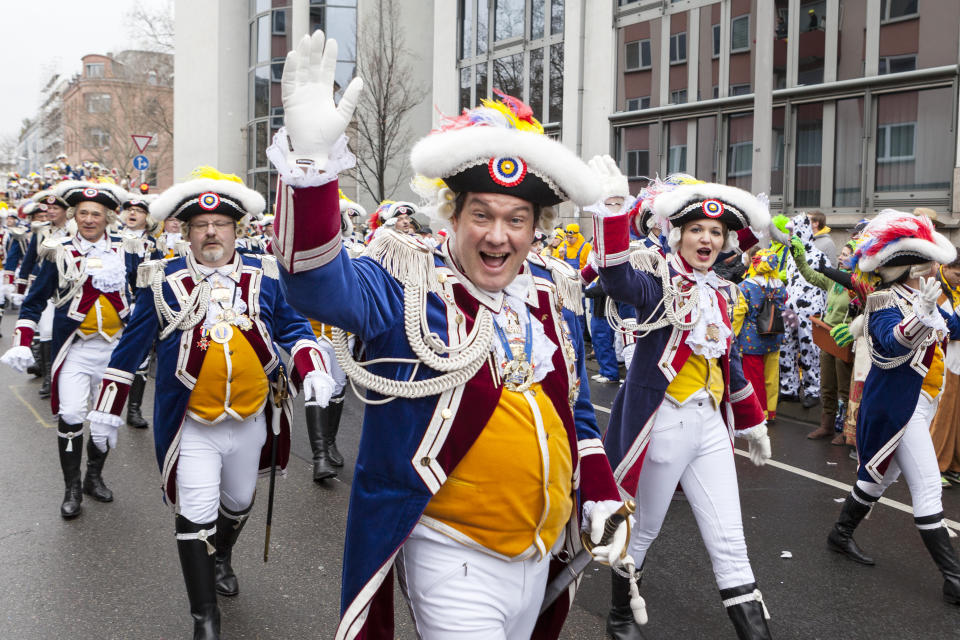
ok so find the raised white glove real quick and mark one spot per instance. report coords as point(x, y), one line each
point(318, 388)
point(612, 181)
point(758, 444)
point(18, 358)
point(929, 294)
point(313, 122)
point(595, 515)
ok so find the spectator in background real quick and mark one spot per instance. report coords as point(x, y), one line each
point(945, 428)
point(821, 236)
point(609, 371)
point(553, 248)
point(574, 251)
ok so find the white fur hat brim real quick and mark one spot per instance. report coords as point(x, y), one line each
point(907, 245)
point(744, 208)
point(173, 201)
point(447, 153)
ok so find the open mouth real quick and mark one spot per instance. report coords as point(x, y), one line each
point(704, 253)
point(493, 260)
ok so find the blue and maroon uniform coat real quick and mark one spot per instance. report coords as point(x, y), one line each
point(409, 446)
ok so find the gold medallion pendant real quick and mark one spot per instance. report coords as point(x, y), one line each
point(221, 333)
point(518, 375)
point(94, 263)
point(713, 333)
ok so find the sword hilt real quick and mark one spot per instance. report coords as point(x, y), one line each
point(610, 527)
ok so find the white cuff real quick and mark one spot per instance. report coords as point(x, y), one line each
point(340, 159)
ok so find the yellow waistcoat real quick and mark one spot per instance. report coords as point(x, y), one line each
point(697, 373)
point(231, 384)
point(101, 318)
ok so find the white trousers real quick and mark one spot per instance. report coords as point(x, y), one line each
point(336, 371)
point(218, 464)
point(456, 592)
point(690, 445)
point(80, 377)
point(45, 326)
point(628, 350)
point(916, 459)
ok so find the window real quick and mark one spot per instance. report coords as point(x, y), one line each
point(276, 117)
point(897, 64)
point(740, 34)
point(740, 89)
point(507, 19)
point(896, 142)
point(678, 97)
point(638, 163)
point(716, 41)
point(677, 159)
point(276, 69)
point(635, 104)
point(94, 70)
point(638, 55)
point(809, 145)
point(555, 101)
point(98, 138)
point(678, 48)
point(740, 159)
point(97, 102)
point(893, 9)
point(152, 77)
point(280, 22)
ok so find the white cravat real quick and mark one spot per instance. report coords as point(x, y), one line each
point(709, 314)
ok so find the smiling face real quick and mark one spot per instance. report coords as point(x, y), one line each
point(91, 219)
point(493, 235)
point(701, 242)
point(212, 237)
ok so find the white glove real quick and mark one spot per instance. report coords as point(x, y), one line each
point(595, 515)
point(318, 388)
point(313, 122)
point(612, 181)
point(104, 435)
point(758, 444)
point(16, 299)
point(18, 358)
point(929, 294)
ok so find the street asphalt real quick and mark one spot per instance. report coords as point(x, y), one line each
point(113, 572)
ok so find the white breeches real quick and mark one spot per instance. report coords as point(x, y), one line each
point(45, 326)
point(455, 592)
point(690, 445)
point(628, 350)
point(80, 376)
point(336, 371)
point(218, 464)
point(916, 459)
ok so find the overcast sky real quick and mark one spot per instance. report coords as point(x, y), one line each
point(40, 37)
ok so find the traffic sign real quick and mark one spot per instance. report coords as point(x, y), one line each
point(140, 163)
point(141, 141)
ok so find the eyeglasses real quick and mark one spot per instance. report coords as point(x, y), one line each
point(217, 225)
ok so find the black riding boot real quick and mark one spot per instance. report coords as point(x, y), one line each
point(229, 526)
point(47, 366)
point(134, 400)
point(196, 561)
point(36, 369)
point(93, 484)
point(323, 469)
point(941, 550)
point(330, 427)
point(841, 536)
point(620, 622)
point(70, 445)
point(747, 612)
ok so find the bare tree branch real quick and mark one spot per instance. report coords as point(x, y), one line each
point(152, 28)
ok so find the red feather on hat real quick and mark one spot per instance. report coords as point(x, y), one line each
point(906, 226)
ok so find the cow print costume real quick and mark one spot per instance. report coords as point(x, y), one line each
point(799, 356)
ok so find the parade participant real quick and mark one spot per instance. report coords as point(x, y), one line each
point(553, 247)
point(945, 428)
point(139, 245)
point(84, 278)
point(171, 242)
point(470, 357)
point(267, 233)
point(215, 315)
point(16, 243)
point(685, 395)
point(904, 329)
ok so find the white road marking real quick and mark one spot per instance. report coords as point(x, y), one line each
point(43, 423)
point(836, 484)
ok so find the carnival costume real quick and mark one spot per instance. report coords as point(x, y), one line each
point(86, 284)
point(685, 395)
point(219, 415)
point(905, 331)
point(456, 377)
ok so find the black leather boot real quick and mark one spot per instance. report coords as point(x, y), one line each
point(229, 526)
point(70, 445)
point(36, 369)
point(941, 550)
point(47, 366)
point(134, 400)
point(747, 612)
point(330, 427)
point(93, 484)
point(620, 622)
point(196, 561)
point(841, 536)
point(322, 467)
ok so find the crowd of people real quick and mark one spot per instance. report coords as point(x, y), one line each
point(464, 318)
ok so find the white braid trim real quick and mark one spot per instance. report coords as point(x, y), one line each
point(203, 535)
point(748, 597)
